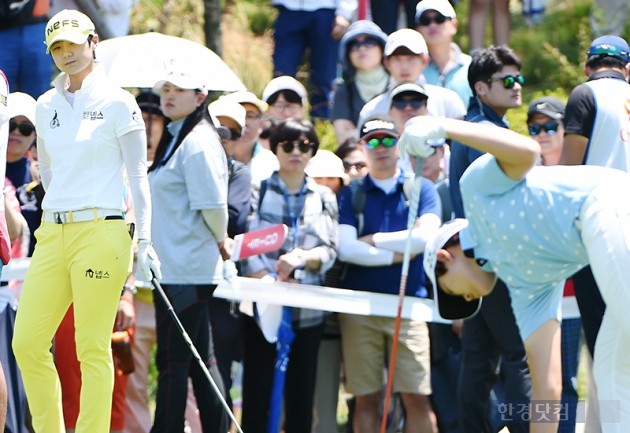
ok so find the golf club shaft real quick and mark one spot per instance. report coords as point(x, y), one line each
point(195, 353)
point(411, 223)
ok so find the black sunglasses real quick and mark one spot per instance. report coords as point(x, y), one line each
point(549, 127)
point(368, 42)
point(509, 80)
point(356, 165)
point(303, 145)
point(24, 128)
point(426, 20)
point(401, 104)
point(375, 142)
point(234, 134)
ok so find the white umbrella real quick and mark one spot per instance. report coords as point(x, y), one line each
point(142, 60)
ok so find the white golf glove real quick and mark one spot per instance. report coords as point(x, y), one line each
point(148, 262)
point(229, 271)
point(420, 136)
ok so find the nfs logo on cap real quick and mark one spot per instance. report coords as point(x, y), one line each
point(68, 25)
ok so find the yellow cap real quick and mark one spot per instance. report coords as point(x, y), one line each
point(68, 25)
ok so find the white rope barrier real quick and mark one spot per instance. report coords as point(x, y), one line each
point(315, 297)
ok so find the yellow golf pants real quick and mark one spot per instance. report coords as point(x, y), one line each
point(83, 263)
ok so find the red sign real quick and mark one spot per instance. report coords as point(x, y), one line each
point(258, 242)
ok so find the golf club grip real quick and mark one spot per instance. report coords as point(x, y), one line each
point(414, 203)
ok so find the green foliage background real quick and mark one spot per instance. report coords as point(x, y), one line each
point(553, 53)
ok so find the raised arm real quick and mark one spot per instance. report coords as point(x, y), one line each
point(515, 153)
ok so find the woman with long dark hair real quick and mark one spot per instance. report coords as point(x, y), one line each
point(189, 179)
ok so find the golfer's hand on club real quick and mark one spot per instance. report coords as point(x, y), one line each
point(420, 136)
point(148, 261)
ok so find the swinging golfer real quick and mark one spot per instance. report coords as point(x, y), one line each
point(533, 227)
point(88, 132)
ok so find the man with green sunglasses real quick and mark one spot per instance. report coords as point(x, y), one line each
point(490, 340)
point(372, 243)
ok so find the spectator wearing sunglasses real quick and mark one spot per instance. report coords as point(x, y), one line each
point(224, 317)
point(490, 340)
point(249, 149)
point(596, 132)
point(21, 170)
point(289, 196)
point(354, 162)
point(448, 65)
point(361, 57)
point(406, 57)
point(407, 101)
point(372, 243)
point(545, 125)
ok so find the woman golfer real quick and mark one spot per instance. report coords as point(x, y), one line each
point(88, 132)
point(534, 227)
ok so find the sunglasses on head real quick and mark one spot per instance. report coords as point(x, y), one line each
point(549, 127)
point(368, 42)
point(509, 81)
point(375, 142)
point(401, 104)
point(303, 145)
point(24, 128)
point(426, 20)
point(360, 165)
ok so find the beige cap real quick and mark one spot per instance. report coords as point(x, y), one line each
point(223, 107)
point(68, 25)
point(326, 164)
point(246, 97)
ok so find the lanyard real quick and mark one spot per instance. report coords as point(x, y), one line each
point(293, 216)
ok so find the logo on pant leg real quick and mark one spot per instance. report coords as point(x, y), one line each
point(98, 275)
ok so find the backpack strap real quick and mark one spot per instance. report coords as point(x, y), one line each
point(358, 202)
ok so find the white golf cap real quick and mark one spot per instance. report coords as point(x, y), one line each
point(406, 38)
point(223, 107)
point(326, 164)
point(21, 104)
point(443, 7)
point(450, 307)
point(284, 82)
point(184, 78)
point(407, 88)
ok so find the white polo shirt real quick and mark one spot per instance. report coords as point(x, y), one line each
point(80, 153)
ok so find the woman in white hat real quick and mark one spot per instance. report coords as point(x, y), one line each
point(88, 133)
point(189, 188)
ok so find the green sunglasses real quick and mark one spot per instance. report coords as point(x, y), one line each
point(375, 142)
point(509, 81)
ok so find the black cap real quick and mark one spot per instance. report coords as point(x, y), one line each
point(378, 125)
point(149, 102)
point(547, 105)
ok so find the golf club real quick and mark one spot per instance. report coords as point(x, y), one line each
point(411, 222)
point(194, 351)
